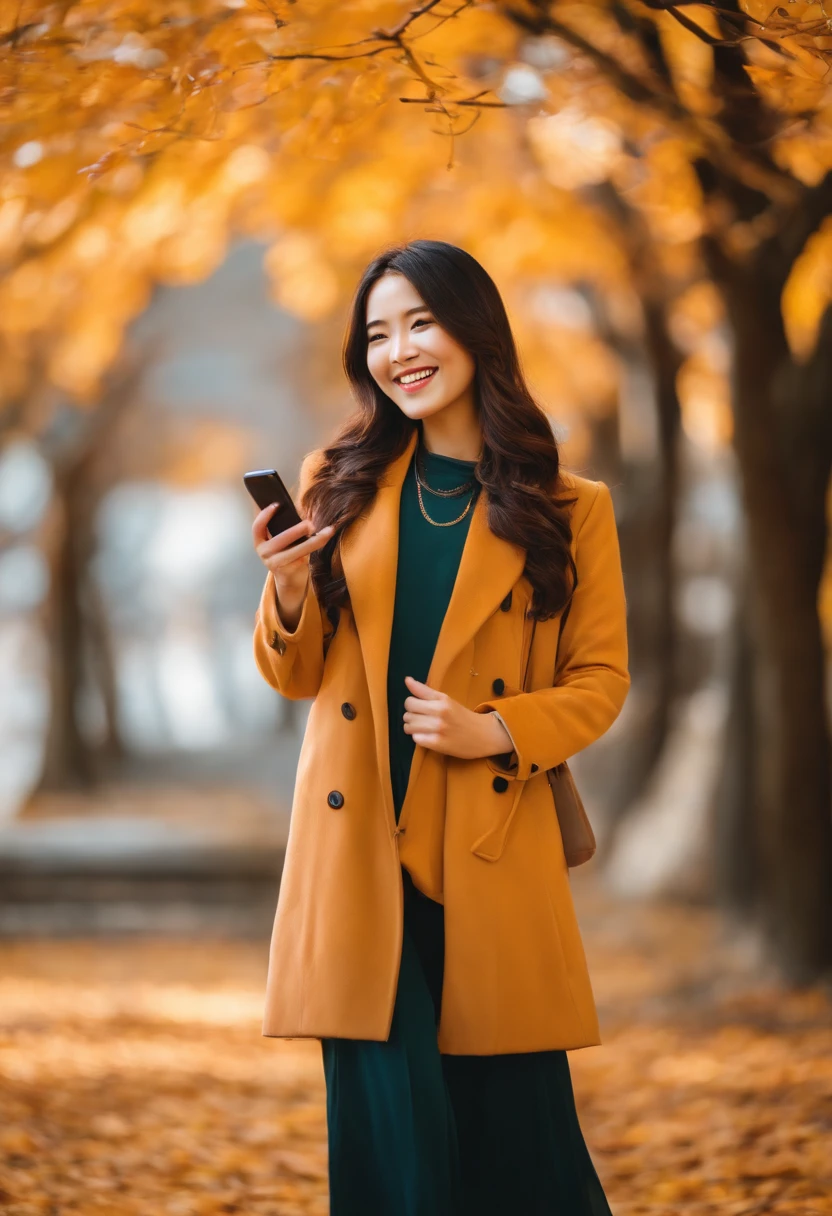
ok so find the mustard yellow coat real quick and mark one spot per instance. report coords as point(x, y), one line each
point(515, 974)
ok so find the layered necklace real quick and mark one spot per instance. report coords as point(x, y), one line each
point(421, 484)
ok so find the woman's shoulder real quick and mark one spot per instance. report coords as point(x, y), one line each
point(584, 494)
point(309, 466)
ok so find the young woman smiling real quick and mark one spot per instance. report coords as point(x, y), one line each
point(424, 930)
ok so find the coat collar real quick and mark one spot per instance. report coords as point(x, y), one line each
point(488, 569)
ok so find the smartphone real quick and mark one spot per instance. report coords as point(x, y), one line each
point(266, 486)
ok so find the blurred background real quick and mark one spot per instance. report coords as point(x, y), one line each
point(188, 197)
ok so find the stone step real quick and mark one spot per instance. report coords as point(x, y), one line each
point(130, 874)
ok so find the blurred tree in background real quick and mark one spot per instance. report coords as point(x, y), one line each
point(650, 185)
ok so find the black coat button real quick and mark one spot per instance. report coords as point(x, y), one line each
point(348, 710)
point(534, 768)
point(335, 799)
point(498, 687)
point(506, 603)
point(500, 784)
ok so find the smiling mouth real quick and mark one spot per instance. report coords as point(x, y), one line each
point(413, 379)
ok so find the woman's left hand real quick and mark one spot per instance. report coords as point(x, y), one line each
point(439, 723)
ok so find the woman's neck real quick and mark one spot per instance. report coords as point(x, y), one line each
point(460, 441)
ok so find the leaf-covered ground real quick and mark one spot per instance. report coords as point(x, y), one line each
point(134, 1080)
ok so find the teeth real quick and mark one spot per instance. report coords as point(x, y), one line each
point(412, 377)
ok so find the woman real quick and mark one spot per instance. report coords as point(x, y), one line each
point(425, 930)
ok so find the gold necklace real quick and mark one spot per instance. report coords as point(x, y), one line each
point(421, 480)
point(436, 523)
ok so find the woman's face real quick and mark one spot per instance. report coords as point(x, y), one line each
point(403, 340)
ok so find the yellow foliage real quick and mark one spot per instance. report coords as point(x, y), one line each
point(669, 193)
point(691, 59)
point(133, 147)
point(825, 591)
point(697, 312)
point(575, 149)
point(209, 450)
point(808, 293)
point(705, 401)
point(303, 282)
point(794, 93)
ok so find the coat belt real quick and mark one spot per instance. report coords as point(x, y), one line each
point(490, 846)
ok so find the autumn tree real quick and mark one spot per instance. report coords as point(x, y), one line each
point(322, 130)
point(758, 143)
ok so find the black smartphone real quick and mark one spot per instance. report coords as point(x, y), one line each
point(266, 486)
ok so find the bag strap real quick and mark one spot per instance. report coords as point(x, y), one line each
point(561, 768)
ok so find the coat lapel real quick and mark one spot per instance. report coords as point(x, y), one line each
point(488, 569)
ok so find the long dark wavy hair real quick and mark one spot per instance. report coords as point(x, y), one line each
point(519, 465)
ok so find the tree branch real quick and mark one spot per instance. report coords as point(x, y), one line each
point(733, 160)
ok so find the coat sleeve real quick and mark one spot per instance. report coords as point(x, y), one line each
point(291, 660)
point(549, 725)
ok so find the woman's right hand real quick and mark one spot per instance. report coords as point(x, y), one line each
point(289, 566)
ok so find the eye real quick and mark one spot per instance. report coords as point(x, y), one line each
point(373, 337)
point(423, 321)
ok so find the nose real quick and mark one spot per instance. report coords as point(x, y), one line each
point(402, 348)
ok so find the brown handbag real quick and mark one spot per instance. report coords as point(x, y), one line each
point(575, 829)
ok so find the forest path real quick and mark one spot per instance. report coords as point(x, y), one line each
point(134, 1080)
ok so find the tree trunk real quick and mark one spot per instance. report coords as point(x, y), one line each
point(665, 362)
point(783, 440)
point(67, 762)
point(647, 535)
point(73, 609)
point(736, 841)
point(655, 543)
point(110, 748)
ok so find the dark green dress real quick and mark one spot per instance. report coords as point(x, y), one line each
point(413, 1132)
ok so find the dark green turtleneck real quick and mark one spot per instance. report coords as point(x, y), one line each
point(428, 560)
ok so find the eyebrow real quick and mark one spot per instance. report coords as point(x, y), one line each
point(410, 311)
